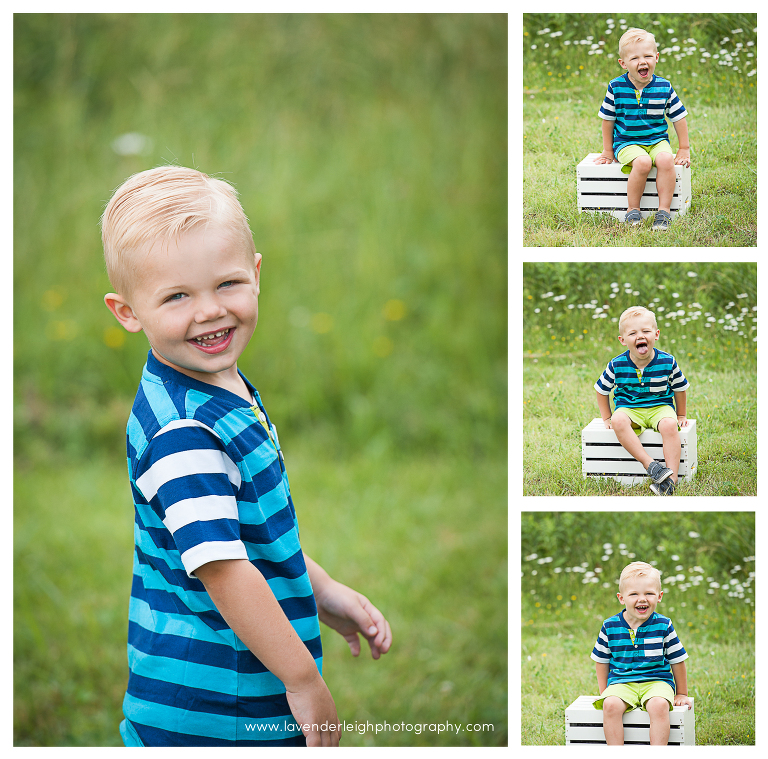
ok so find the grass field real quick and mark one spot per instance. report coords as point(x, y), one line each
point(380, 351)
point(570, 568)
point(570, 335)
point(568, 61)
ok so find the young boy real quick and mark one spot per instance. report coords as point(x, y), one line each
point(640, 661)
point(223, 638)
point(648, 386)
point(634, 129)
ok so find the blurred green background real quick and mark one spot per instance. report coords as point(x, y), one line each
point(571, 563)
point(370, 156)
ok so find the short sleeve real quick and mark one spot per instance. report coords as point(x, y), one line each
point(673, 648)
point(191, 485)
point(675, 108)
point(677, 380)
point(601, 653)
point(608, 107)
point(606, 381)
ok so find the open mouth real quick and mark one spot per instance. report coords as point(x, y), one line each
point(213, 342)
point(641, 609)
point(641, 347)
point(643, 71)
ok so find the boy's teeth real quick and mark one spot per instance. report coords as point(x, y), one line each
point(212, 336)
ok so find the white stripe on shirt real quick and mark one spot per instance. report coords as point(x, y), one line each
point(203, 509)
point(183, 464)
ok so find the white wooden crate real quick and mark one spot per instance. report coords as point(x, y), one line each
point(584, 724)
point(602, 455)
point(602, 188)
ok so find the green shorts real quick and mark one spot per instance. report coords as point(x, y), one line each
point(628, 154)
point(637, 694)
point(648, 418)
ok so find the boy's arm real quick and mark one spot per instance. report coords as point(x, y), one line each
point(245, 600)
point(602, 676)
point(680, 405)
point(604, 405)
point(681, 685)
point(683, 157)
point(348, 612)
point(607, 155)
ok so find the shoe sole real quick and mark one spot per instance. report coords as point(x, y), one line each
point(655, 490)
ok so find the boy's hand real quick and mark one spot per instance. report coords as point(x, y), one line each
point(682, 421)
point(607, 423)
point(683, 157)
point(349, 613)
point(683, 701)
point(606, 157)
point(313, 709)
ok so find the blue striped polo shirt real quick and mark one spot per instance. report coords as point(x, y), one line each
point(639, 114)
point(653, 385)
point(649, 657)
point(208, 484)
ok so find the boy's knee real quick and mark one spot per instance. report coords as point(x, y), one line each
point(657, 707)
point(620, 421)
point(665, 160)
point(643, 163)
point(668, 425)
point(614, 705)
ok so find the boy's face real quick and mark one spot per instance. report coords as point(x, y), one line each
point(639, 335)
point(197, 301)
point(640, 61)
point(640, 595)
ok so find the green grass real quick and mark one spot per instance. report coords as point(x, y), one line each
point(571, 562)
point(708, 321)
point(563, 88)
point(556, 669)
point(405, 533)
point(380, 351)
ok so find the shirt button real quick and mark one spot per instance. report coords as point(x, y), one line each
point(262, 418)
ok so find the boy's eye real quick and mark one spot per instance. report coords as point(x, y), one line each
point(175, 296)
point(228, 283)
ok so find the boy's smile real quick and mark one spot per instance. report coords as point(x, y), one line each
point(640, 62)
point(639, 334)
point(640, 597)
point(196, 299)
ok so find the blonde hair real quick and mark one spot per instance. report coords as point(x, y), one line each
point(162, 204)
point(635, 311)
point(631, 36)
point(639, 569)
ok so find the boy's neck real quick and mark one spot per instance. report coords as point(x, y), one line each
point(640, 364)
point(639, 87)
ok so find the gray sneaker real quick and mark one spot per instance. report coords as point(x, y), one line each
point(634, 217)
point(657, 472)
point(667, 487)
point(662, 220)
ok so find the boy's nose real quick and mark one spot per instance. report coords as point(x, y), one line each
point(210, 310)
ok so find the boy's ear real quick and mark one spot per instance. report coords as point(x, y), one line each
point(620, 597)
point(122, 312)
point(257, 264)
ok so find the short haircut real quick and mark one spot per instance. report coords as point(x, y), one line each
point(631, 36)
point(163, 204)
point(639, 569)
point(635, 311)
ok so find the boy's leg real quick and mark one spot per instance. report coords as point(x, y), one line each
point(613, 727)
point(641, 167)
point(665, 180)
point(658, 712)
point(622, 426)
point(671, 444)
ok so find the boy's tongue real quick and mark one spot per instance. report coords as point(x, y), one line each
point(642, 348)
point(643, 72)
